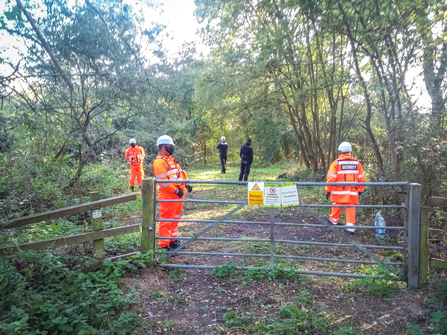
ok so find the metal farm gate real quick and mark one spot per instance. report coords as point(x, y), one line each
point(409, 246)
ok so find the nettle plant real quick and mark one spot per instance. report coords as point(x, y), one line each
point(43, 293)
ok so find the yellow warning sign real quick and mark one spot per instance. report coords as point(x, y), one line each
point(255, 193)
point(255, 198)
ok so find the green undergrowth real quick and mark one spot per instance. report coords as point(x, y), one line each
point(293, 318)
point(42, 293)
point(384, 285)
point(297, 313)
point(433, 319)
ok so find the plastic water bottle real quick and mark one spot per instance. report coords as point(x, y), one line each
point(379, 221)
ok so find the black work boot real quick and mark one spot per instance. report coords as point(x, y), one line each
point(174, 244)
point(132, 188)
point(328, 219)
point(167, 248)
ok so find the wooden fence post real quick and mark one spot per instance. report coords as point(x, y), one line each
point(414, 229)
point(148, 231)
point(424, 252)
point(98, 245)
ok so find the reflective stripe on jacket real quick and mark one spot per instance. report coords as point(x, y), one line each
point(167, 168)
point(135, 155)
point(345, 169)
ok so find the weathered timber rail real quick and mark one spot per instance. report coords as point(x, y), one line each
point(59, 213)
point(98, 234)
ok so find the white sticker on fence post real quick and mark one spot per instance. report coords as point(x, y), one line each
point(96, 213)
point(272, 195)
point(289, 195)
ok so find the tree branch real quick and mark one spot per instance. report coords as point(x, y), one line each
point(46, 45)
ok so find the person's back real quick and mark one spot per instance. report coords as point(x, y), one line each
point(223, 151)
point(246, 155)
point(345, 169)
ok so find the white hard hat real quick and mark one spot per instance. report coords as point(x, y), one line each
point(165, 139)
point(222, 138)
point(345, 147)
point(132, 140)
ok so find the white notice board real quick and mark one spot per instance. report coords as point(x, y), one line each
point(289, 195)
point(272, 195)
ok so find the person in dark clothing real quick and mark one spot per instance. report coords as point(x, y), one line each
point(246, 159)
point(223, 150)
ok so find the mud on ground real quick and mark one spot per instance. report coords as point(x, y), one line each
point(194, 301)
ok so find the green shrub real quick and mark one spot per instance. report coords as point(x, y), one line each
point(43, 293)
point(256, 274)
point(384, 285)
point(228, 269)
point(122, 243)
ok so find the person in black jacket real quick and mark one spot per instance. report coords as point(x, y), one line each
point(223, 150)
point(246, 159)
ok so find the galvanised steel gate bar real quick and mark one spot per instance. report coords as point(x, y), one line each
point(205, 230)
point(411, 269)
point(282, 223)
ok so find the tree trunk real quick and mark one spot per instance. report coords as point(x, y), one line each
point(45, 45)
point(367, 99)
point(433, 79)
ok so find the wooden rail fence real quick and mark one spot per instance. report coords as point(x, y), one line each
point(147, 227)
point(435, 234)
point(98, 234)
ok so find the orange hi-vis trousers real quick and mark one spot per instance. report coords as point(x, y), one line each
point(169, 210)
point(136, 170)
point(350, 215)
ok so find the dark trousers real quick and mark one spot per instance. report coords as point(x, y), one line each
point(223, 163)
point(245, 171)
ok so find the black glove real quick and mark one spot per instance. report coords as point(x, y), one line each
point(189, 188)
point(328, 194)
point(179, 192)
point(360, 193)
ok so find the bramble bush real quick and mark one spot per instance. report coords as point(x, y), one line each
point(42, 293)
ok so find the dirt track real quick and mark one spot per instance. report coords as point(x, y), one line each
point(195, 300)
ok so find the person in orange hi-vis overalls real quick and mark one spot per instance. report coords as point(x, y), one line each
point(167, 168)
point(135, 156)
point(344, 169)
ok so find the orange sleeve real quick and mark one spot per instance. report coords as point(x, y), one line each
point(127, 155)
point(143, 153)
point(185, 175)
point(160, 172)
point(361, 177)
point(331, 176)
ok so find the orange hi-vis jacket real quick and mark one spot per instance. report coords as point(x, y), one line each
point(167, 168)
point(345, 169)
point(135, 156)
